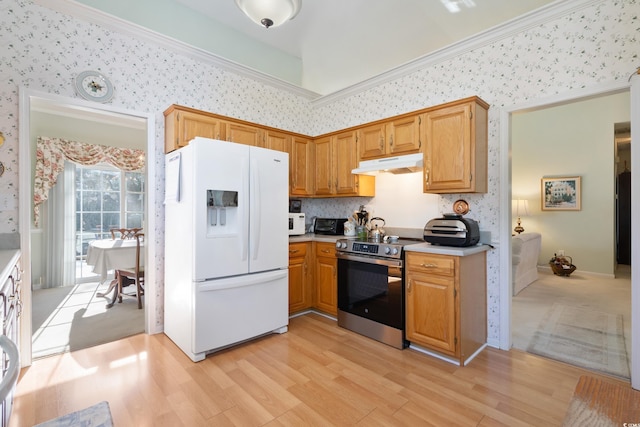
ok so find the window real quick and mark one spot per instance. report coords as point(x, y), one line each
point(103, 202)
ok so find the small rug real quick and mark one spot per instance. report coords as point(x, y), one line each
point(582, 337)
point(97, 415)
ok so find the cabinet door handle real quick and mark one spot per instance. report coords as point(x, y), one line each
point(325, 251)
point(391, 140)
point(428, 265)
point(426, 176)
point(381, 143)
point(409, 285)
point(294, 251)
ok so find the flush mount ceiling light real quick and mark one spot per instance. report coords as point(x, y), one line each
point(270, 13)
point(453, 6)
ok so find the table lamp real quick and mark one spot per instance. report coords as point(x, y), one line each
point(519, 208)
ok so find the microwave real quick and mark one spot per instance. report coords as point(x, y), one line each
point(296, 224)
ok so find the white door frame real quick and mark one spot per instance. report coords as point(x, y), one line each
point(25, 182)
point(505, 206)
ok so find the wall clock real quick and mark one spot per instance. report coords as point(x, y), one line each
point(94, 86)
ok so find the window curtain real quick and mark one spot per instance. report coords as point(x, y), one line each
point(51, 154)
point(58, 226)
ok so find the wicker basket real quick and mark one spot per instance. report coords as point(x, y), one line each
point(562, 265)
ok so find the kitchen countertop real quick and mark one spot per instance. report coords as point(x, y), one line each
point(312, 237)
point(8, 258)
point(447, 250)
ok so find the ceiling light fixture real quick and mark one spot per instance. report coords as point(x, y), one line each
point(270, 13)
point(453, 6)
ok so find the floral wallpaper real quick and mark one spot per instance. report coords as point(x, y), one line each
point(42, 49)
point(595, 45)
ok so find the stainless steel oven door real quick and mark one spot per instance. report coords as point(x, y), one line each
point(371, 288)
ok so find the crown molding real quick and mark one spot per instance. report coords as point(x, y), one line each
point(522, 23)
point(113, 23)
point(509, 28)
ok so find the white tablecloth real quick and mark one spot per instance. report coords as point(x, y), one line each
point(106, 255)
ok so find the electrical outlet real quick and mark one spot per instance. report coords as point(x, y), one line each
point(7, 202)
point(560, 252)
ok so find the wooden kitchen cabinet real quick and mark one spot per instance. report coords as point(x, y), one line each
point(301, 167)
point(181, 125)
point(455, 150)
point(300, 277)
point(446, 305)
point(278, 141)
point(393, 137)
point(326, 278)
point(243, 134)
point(334, 157)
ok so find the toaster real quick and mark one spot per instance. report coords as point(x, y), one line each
point(452, 230)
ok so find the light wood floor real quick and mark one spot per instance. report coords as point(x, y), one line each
point(316, 374)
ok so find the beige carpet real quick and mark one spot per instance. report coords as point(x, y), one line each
point(74, 317)
point(530, 307)
point(583, 337)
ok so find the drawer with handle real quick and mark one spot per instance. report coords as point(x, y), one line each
point(297, 250)
point(443, 265)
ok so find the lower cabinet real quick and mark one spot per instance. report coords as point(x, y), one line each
point(446, 303)
point(313, 277)
point(326, 275)
point(300, 278)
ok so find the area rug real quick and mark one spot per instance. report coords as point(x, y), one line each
point(582, 337)
point(97, 415)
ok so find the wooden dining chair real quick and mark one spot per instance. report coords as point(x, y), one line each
point(133, 275)
point(124, 233)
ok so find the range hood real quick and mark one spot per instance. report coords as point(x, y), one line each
point(398, 164)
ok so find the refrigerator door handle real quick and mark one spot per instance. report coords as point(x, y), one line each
point(245, 210)
point(254, 217)
point(240, 281)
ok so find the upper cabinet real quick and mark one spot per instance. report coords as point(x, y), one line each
point(335, 157)
point(452, 136)
point(455, 149)
point(182, 125)
point(392, 137)
point(274, 140)
point(301, 167)
point(244, 134)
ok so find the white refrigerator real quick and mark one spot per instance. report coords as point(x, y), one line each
point(226, 245)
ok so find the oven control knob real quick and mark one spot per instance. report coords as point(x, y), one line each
point(394, 251)
point(387, 250)
point(341, 245)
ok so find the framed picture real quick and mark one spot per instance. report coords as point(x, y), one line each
point(561, 193)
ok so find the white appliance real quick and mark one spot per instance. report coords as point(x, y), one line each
point(296, 224)
point(408, 163)
point(226, 245)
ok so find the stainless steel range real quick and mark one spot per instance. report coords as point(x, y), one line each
point(371, 289)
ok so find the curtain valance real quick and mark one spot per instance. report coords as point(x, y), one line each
point(52, 152)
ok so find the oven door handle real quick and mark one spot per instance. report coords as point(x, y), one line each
point(370, 260)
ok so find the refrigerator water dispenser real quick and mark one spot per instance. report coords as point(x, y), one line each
point(222, 212)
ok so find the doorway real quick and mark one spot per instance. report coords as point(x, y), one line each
point(506, 196)
point(75, 119)
point(622, 138)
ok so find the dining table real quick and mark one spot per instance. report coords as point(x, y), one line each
point(107, 255)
